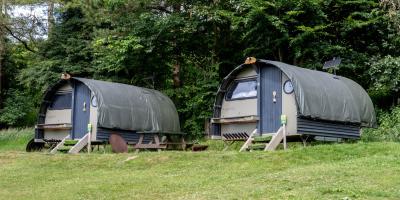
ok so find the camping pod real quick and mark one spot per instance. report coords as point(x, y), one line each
point(76, 106)
point(262, 95)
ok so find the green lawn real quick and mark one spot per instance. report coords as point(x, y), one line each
point(336, 171)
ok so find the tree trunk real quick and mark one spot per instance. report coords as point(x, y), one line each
point(280, 54)
point(50, 16)
point(176, 73)
point(2, 47)
point(176, 66)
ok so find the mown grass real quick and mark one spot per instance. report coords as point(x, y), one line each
point(15, 139)
point(331, 171)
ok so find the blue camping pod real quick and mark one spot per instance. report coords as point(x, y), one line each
point(75, 107)
point(262, 94)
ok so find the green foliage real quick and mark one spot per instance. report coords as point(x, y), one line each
point(68, 49)
point(195, 101)
point(389, 127)
point(185, 48)
point(19, 109)
point(113, 55)
point(385, 75)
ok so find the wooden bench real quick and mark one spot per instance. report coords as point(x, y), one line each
point(231, 138)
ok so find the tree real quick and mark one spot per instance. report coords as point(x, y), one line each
point(385, 82)
point(184, 47)
point(3, 46)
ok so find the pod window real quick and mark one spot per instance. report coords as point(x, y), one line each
point(242, 89)
point(61, 101)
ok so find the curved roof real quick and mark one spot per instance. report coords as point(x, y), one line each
point(128, 107)
point(320, 95)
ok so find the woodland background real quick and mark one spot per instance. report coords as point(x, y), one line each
point(185, 48)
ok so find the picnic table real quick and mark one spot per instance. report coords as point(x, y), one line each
point(162, 141)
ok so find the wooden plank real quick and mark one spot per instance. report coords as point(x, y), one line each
point(150, 146)
point(54, 126)
point(80, 145)
point(246, 119)
point(276, 140)
point(66, 124)
point(248, 141)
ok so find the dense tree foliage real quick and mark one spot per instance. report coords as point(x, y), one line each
point(184, 48)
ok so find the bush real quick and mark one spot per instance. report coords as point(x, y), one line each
point(19, 110)
point(389, 127)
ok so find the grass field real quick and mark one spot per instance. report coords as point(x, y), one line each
point(328, 171)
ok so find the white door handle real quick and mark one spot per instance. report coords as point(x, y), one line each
point(274, 96)
point(84, 106)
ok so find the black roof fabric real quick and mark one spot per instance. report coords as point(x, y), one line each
point(128, 107)
point(321, 95)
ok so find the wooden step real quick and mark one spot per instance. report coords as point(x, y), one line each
point(263, 139)
point(70, 142)
point(64, 149)
point(257, 147)
point(59, 145)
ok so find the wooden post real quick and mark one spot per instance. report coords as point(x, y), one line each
point(284, 122)
point(89, 143)
point(284, 137)
point(89, 138)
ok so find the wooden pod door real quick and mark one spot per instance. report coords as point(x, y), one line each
point(81, 110)
point(270, 99)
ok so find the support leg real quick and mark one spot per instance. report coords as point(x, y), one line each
point(139, 143)
point(183, 143)
point(227, 145)
point(157, 141)
point(304, 140)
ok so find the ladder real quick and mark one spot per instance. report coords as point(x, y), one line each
point(71, 146)
point(266, 143)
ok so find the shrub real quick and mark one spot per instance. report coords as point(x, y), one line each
point(19, 110)
point(388, 127)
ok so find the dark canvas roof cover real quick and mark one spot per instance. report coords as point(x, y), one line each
point(319, 95)
point(128, 107)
